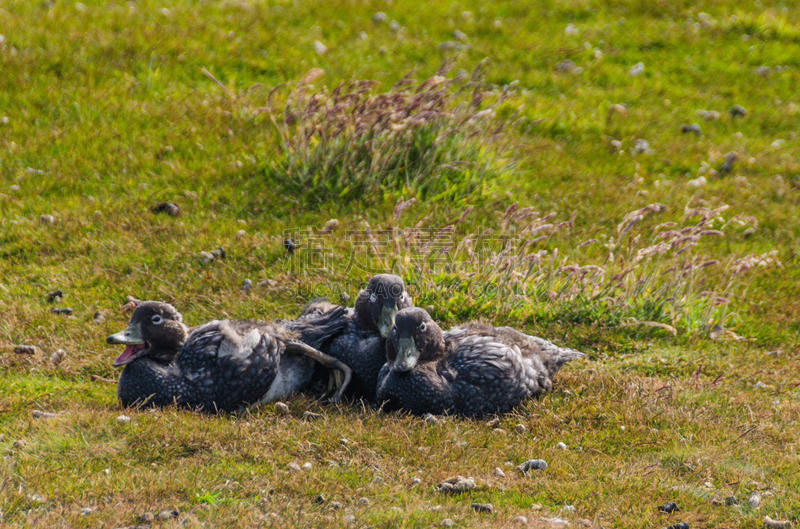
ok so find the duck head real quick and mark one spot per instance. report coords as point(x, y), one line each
point(415, 338)
point(156, 330)
point(378, 304)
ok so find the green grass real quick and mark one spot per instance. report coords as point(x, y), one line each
point(109, 112)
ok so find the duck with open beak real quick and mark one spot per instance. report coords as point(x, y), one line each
point(221, 365)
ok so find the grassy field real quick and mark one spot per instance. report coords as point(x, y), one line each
point(688, 309)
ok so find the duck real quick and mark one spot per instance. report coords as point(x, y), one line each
point(362, 343)
point(222, 365)
point(472, 370)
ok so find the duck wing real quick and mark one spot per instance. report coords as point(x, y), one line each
point(490, 376)
point(539, 350)
point(320, 325)
point(230, 364)
point(551, 356)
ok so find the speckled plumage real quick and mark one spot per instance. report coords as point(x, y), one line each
point(360, 344)
point(471, 370)
point(218, 366)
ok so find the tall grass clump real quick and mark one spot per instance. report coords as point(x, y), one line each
point(643, 275)
point(436, 139)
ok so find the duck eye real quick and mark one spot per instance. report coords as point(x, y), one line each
point(156, 319)
point(373, 297)
point(423, 327)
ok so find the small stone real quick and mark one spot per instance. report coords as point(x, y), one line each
point(394, 25)
point(281, 408)
point(344, 441)
point(522, 520)
point(311, 416)
point(763, 71)
point(86, 511)
point(306, 466)
point(483, 507)
point(430, 418)
point(455, 485)
point(777, 144)
point(319, 499)
point(38, 498)
point(241, 234)
point(330, 226)
point(641, 147)
point(697, 182)
point(636, 69)
point(294, 467)
point(167, 207)
point(168, 514)
point(584, 522)
point(565, 66)
point(617, 109)
point(99, 318)
point(708, 485)
point(379, 17)
point(219, 253)
point(536, 506)
point(320, 48)
point(727, 165)
point(668, 508)
point(123, 419)
point(737, 111)
point(569, 509)
point(350, 519)
point(694, 128)
point(459, 35)
point(377, 479)
point(415, 482)
point(38, 414)
point(25, 349)
point(571, 30)
point(754, 500)
point(769, 523)
point(561, 446)
point(58, 357)
point(247, 285)
point(532, 464)
point(556, 522)
point(47, 219)
point(56, 294)
point(498, 472)
point(363, 502)
point(334, 506)
point(708, 115)
point(449, 45)
point(64, 311)
point(447, 522)
point(679, 525)
point(206, 257)
point(494, 422)
point(147, 517)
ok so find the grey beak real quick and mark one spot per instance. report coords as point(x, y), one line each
point(407, 355)
point(386, 321)
point(132, 335)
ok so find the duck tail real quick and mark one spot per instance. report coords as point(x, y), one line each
point(316, 330)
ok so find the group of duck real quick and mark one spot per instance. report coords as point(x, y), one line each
point(384, 350)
